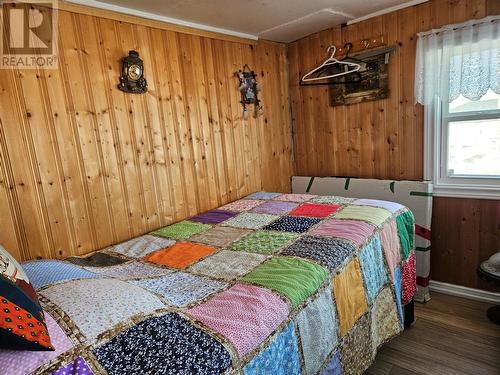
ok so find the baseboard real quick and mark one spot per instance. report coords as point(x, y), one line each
point(464, 292)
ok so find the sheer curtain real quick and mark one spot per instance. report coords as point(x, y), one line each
point(458, 59)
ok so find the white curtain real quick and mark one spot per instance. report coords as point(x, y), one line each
point(458, 59)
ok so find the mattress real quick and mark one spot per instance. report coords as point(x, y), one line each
point(269, 284)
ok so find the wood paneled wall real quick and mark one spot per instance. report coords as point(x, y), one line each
point(384, 139)
point(83, 165)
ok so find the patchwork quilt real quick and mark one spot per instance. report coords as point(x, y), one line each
point(269, 284)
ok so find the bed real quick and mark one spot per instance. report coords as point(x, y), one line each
point(269, 284)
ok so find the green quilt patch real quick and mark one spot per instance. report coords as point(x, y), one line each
point(181, 230)
point(263, 242)
point(406, 231)
point(293, 278)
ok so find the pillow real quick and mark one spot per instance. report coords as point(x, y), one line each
point(22, 321)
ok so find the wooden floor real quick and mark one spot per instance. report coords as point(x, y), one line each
point(451, 336)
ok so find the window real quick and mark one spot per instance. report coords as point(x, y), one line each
point(458, 82)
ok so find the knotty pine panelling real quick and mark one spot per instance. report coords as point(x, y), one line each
point(379, 139)
point(83, 165)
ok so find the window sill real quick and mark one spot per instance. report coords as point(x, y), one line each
point(466, 191)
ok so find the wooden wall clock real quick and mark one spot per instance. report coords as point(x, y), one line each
point(132, 79)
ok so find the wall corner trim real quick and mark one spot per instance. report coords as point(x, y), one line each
point(464, 292)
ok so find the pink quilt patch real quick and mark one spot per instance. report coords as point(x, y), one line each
point(244, 314)
point(390, 243)
point(409, 279)
point(315, 210)
point(353, 230)
point(21, 362)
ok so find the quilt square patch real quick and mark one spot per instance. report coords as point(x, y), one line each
point(390, 244)
point(263, 195)
point(244, 314)
point(182, 230)
point(275, 207)
point(250, 220)
point(213, 216)
point(349, 296)
point(181, 288)
point(141, 246)
point(334, 367)
point(181, 255)
point(264, 242)
point(45, 272)
point(331, 199)
point(409, 279)
point(406, 230)
point(96, 305)
point(352, 230)
point(384, 318)
point(227, 264)
point(131, 270)
point(167, 344)
point(389, 206)
point(241, 205)
point(373, 267)
point(318, 331)
point(330, 252)
point(220, 236)
point(295, 197)
point(374, 215)
point(315, 210)
point(281, 357)
point(77, 367)
point(293, 278)
point(293, 224)
point(22, 362)
point(356, 353)
point(398, 292)
point(98, 259)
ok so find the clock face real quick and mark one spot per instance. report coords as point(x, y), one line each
point(134, 72)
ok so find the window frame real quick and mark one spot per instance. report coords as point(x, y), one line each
point(436, 158)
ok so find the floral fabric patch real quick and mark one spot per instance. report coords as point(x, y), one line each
point(167, 345)
point(227, 265)
point(294, 224)
point(330, 252)
point(213, 216)
point(244, 314)
point(374, 215)
point(182, 230)
point(180, 288)
point(241, 205)
point(349, 296)
point(315, 210)
point(181, 255)
point(96, 305)
point(250, 220)
point(77, 367)
point(263, 195)
point(293, 278)
point(141, 246)
point(275, 207)
point(131, 270)
point(45, 272)
point(281, 357)
point(295, 197)
point(220, 236)
point(334, 367)
point(331, 199)
point(352, 230)
point(384, 318)
point(264, 242)
point(373, 267)
point(409, 279)
point(356, 351)
point(318, 331)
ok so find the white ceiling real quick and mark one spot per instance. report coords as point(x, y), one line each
point(278, 20)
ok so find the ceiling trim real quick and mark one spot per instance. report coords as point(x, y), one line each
point(169, 23)
point(387, 10)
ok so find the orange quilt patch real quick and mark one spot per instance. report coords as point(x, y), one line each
point(180, 255)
